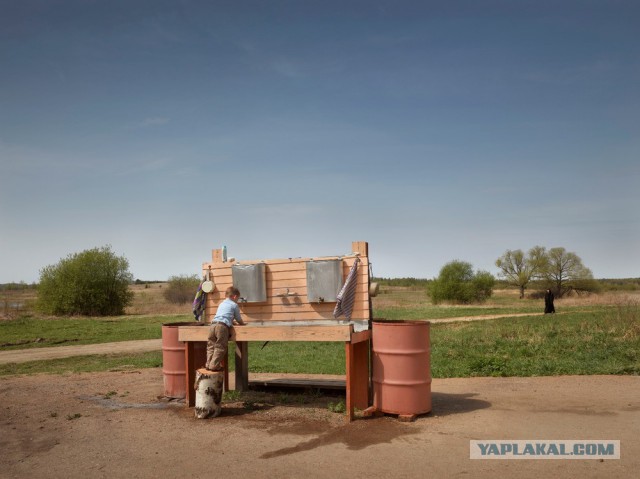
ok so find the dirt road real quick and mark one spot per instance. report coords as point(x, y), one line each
point(42, 354)
point(112, 425)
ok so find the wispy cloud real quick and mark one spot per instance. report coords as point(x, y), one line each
point(152, 121)
point(569, 75)
point(287, 68)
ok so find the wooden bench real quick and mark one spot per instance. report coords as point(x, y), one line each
point(280, 318)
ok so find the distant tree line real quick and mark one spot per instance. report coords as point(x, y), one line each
point(624, 284)
point(17, 286)
point(405, 282)
point(96, 282)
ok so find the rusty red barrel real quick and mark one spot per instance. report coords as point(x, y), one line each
point(173, 360)
point(401, 367)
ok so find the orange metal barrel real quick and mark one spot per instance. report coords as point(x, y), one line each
point(401, 367)
point(173, 360)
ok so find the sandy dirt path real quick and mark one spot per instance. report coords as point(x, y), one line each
point(112, 425)
point(41, 354)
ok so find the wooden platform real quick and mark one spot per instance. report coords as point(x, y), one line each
point(290, 383)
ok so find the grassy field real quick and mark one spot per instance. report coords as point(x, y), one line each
point(35, 332)
point(599, 334)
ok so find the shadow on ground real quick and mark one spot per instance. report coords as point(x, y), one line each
point(447, 404)
point(372, 431)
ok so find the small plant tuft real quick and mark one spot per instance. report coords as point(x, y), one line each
point(338, 407)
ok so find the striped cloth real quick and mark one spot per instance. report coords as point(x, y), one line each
point(199, 303)
point(347, 295)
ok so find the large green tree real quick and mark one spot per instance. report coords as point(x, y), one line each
point(519, 269)
point(564, 272)
point(93, 282)
point(458, 283)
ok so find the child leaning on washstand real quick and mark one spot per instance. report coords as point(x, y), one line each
point(220, 329)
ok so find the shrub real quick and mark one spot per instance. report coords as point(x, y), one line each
point(458, 283)
point(94, 282)
point(181, 289)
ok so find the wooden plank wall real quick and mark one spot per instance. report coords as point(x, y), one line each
point(291, 274)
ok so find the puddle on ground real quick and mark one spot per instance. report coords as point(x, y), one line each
point(355, 436)
point(109, 403)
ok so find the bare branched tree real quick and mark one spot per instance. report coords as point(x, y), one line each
point(519, 269)
point(565, 271)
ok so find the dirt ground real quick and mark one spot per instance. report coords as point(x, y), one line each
point(112, 425)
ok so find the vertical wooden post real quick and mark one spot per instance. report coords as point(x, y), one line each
point(361, 247)
point(190, 373)
point(351, 373)
point(225, 387)
point(242, 366)
point(360, 381)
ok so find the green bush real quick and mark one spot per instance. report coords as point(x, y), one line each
point(181, 289)
point(94, 282)
point(458, 283)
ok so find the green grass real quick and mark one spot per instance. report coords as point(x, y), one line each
point(36, 332)
point(586, 338)
point(435, 312)
point(296, 357)
point(602, 342)
point(289, 357)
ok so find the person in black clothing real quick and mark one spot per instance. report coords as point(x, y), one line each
point(548, 303)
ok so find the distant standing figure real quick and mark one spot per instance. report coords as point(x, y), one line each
point(548, 303)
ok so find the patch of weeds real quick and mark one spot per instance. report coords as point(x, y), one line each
point(301, 399)
point(53, 414)
point(489, 366)
point(250, 405)
point(231, 396)
point(110, 394)
point(338, 407)
point(73, 416)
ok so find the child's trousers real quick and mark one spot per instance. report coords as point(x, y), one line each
point(217, 346)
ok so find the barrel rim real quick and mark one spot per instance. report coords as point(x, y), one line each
point(402, 322)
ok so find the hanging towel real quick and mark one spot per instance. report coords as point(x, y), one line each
point(199, 303)
point(347, 294)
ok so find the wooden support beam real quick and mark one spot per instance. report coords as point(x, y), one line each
point(341, 332)
point(360, 382)
point(361, 336)
point(190, 373)
point(351, 372)
point(242, 366)
point(225, 387)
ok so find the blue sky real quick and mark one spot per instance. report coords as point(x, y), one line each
point(433, 130)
